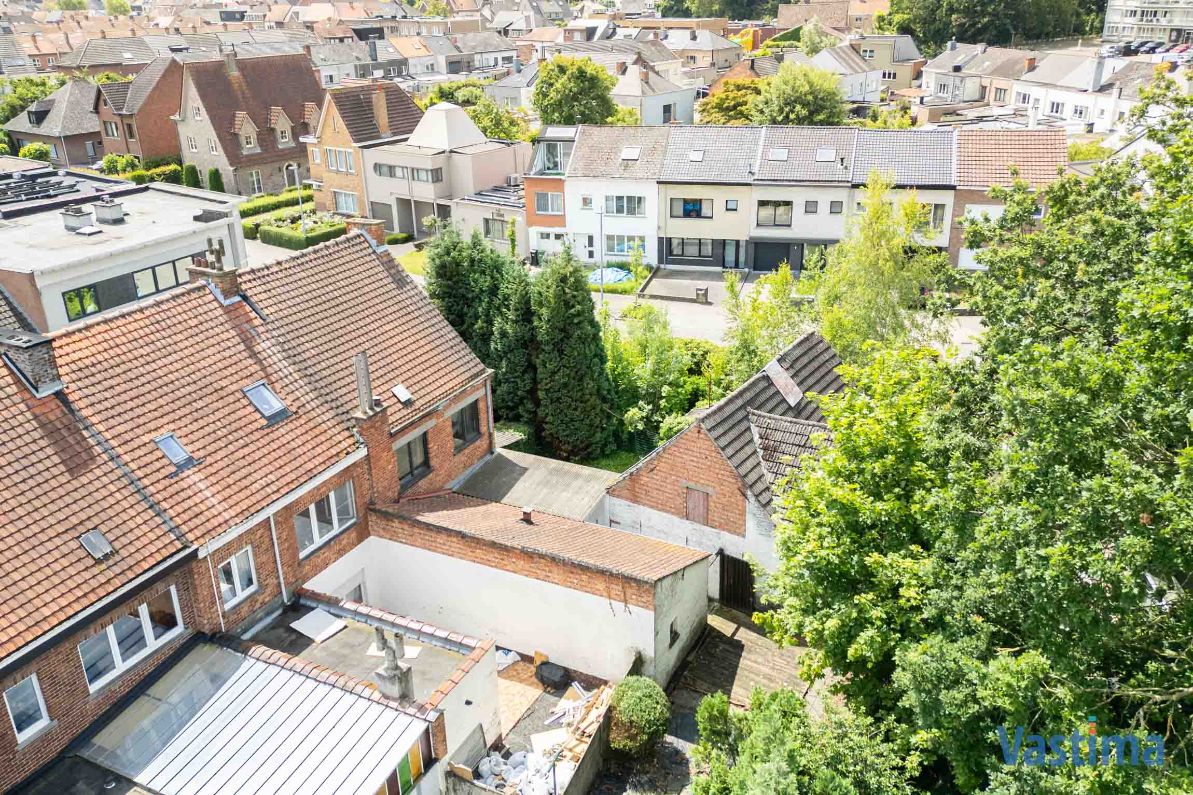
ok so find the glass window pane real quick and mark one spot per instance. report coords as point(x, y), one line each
point(404, 465)
point(162, 618)
point(405, 777)
point(418, 453)
point(165, 275)
point(304, 529)
point(130, 636)
point(144, 283)
point(323, 525)
point(227, 580)
point(89, 299)
point(24, 705)
point(183, 268)
point(245, 576)
point(783, 214)
point(97, 657)
point(345, 509)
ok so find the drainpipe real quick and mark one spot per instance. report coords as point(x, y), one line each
point(277, 557)
point(219, 602)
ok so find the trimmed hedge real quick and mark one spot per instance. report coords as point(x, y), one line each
point(398, 237)
point(265, 204)
point(171, 174)
point(253, 224)
point(294, 240)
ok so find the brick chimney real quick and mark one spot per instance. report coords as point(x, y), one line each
point(226, 280)
point(380, 110)
point(372, 424)
point(32, 356)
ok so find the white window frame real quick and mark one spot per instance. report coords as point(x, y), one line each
point(336, 529)
point(111, 129)
point(38, 725)
point(211, 147)
point(197, 112)
point(249, 141)
point(335, 200)
point(315, 156)
point(628, 203)
point(151, 646)
point(283, 135)
point(255, 181)
point(551, 202)
point(192, 144)
point(623, 245)
point(238, 595)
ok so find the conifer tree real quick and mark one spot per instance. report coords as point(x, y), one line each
point(513, 349)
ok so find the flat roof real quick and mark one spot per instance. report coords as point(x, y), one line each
point(37, 241)
point(219, 721)
point(352, 651)
point(558, 487)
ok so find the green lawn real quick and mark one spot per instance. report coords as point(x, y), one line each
point(414, 263)
point(617, 461)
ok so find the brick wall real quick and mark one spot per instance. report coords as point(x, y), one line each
point(69, 704)
point(243, 614)
point(539, 567)
point(156, 134)
point(691, 460)
point(961, 199)
point(446, 463)
point(333, 133)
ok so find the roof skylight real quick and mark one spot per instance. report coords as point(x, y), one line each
point(631, 152)
point(696, 155)
point(96, 543)
point(402, 394)
point(266, 402)
point(776, 153)
point(174, 451)
point(825, 155)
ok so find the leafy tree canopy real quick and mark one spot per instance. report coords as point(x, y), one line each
point(800, 94)
point(573, 91)
point(732, 104)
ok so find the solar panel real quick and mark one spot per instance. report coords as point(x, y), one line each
point(95, 542)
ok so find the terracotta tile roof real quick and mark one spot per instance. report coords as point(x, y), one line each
point(310, 114)
point(355, 105)
point(57, 483)
point(334, 300)
point(588, 545)
point(260, 83)
point(410, 46)
point(985, 157)
point(179, 364)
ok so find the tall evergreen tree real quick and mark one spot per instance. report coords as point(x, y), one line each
point(448, 278)
point(576, 417)
point(514, 349)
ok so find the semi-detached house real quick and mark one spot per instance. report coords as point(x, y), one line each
point(181, 470)
point(736, 197)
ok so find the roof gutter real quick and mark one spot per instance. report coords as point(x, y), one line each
point(49, 640)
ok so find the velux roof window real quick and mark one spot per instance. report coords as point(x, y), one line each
point(173, 450)
point(266, 402)
point(96, 543)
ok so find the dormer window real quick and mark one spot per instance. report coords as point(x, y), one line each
point(284, 135)
point(173, 450)
point(266, 402)
point(250, 141)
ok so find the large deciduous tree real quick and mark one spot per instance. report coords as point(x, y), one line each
point(732, 104)
point(573, 91)
point(800, 94)
point(1007, 540)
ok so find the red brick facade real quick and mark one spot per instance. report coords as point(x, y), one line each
point(154, 133)
point(69, 704)
point(446, 463)
point(691, 460)
point(495, 556)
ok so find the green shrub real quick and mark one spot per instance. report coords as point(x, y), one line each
point(293, 239)
point(35, 151)
point(110, 164)
point(640, 713)
point(215, 180)
point(190, 176)
point(158, 162)
point(140, 176)
point(171, 173)
point(398, 237)
point(265, 204)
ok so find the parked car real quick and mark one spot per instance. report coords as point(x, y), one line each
point(1148, 48)
point(1180, 48)
point(1163, 48)
point(1110, 51)
point(1129, 48)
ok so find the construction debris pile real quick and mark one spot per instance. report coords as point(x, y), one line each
point(547, 769)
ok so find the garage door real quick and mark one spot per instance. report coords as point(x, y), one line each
point(382, 212)
point(767, 256)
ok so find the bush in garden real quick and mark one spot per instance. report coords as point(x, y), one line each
point(640, 711)
point(190, 176)
point(215, 180)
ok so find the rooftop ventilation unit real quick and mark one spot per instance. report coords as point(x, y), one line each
point(75, 218)
point(108, 211)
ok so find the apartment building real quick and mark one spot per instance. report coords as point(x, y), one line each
point(1083, 93)
point(353, 118)
point(446, 157)
point(1133, 20)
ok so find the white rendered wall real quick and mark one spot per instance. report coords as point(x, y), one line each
point(480, 687)
point(575, 629)
point(681, 600)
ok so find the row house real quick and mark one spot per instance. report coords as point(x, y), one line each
point(244, 116)
point(257, 486)
point(979, 73)
point(740, 197)
point(354, 118)
point(894, 55)
point(1082, 93)
point(134, 116)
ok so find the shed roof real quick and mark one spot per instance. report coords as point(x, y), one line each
point(726, 154)
point(572, 541)
point(782, 442)
point(923, 158)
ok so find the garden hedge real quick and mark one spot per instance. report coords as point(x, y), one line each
point(398, 237)
point(294, 240)
point(265, 204)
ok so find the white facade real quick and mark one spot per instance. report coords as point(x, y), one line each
point(812, 216)
point(599, 236)
point(575, 629)
point(1105, 111)
point(1154, 20)
point(662, 108)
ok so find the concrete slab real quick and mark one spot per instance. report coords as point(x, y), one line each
point(677, 284)
point(348, 652)
point(526, 480)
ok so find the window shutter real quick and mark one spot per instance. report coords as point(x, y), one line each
point(696, 509)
